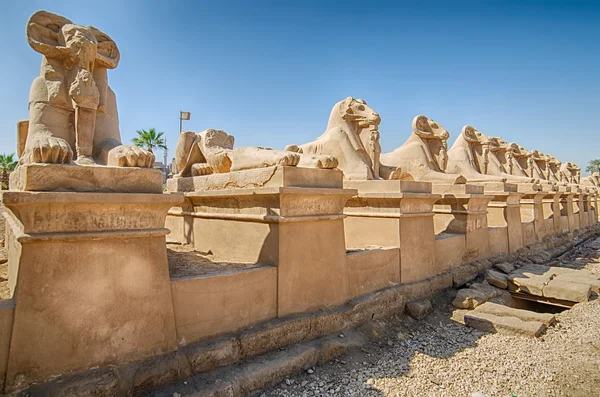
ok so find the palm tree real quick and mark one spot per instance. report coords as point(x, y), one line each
point(593, 166)
point(150, 139)
point(7, 164)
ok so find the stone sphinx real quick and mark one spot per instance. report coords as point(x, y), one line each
point(592, 180)
point(71, 105)
point(470, 156)
point(352, 137)
point(502, 162)
point(541, 169)
point(554, 173)
point(571, 173)
point(522, 163)
point(212, 152)
point(425, 154)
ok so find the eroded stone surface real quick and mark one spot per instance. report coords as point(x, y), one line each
point(553, 282)
point(352, 138)
point(425, 154)
point(470, 156)
point(419, 309)
point(506, 311)
point(510, 325)
point(211, 152)
point(505, 267)
point(71, 105)
point(497, 279)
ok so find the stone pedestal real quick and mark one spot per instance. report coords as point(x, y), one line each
point(551, 213)
point(592, 216)
point(394, 214)
point(584, 210)
point(567, 212)
point(462, 209)
point(504, 219)
point(577, 208)
point(532, 217)
point(287, 217)
point(85, 178)
point(90, 280)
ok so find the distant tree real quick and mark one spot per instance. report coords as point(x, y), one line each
point(593, 166)
point(150, 139)
point(7, 164)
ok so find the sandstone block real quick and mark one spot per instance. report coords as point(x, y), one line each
point(506, 311)
point(463, 274)
point(567, 290)
point(486, 289)
point(419, 309)
point(505, 267)
point(497, 279)
point(508, 325)
point(468, 299)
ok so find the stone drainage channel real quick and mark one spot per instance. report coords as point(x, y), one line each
point(487, 341)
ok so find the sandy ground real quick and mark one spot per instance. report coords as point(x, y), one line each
point(185, 262)
point(439, 356)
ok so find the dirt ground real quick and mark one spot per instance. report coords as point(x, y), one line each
point(439, 356)
point(184, 261)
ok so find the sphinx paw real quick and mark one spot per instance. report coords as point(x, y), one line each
point(130, 156)
point(200, 169)
point(318, 161)
point(48, 149)
point(286, 158)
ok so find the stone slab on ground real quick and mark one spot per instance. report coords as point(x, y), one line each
point(565, 284)
point(506, 311)
point(506, 325)
point(475, 295)
point(497, 279)
point(527, 280)
point(505, 267)
point(419, 309)
point(567, 290)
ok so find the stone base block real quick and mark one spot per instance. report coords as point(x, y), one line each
point(258, 178)
point(85, 178)
point(90, 280)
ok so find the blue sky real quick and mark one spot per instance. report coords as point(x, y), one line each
point(269, 72)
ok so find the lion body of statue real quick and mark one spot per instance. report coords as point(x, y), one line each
point(425, 154)
point(212, 152)
point(352, 139)
point(71, 104)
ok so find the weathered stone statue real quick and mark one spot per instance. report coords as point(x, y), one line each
point(352, 138)
point(502, 162)
point(540, 165)
point(71, 104)
point(554, 173)
point(212, 152)
point(470, 156)
point(522, 164)
point(592, 180)
point(425, 154)
point(570, 172)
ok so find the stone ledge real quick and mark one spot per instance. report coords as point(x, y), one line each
point(259, 178)
point(88, 178)
point(225, 357)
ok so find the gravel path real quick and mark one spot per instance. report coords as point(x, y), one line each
point(438, 356)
